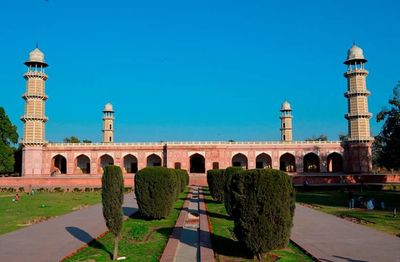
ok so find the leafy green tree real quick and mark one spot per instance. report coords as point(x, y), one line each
point(72, 139)
point(8, 138)
point(318, 138)
point(112, 196)
point(387, 143)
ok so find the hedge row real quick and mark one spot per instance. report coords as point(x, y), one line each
point(157, 188)
point(261, 203)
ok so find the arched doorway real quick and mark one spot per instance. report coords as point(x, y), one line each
point(263, 161)
point(153, 160)
point(106, 160)
point(239, 160)
point(311, 163)
point(287, 163)
point(59, 165)
point(335, 162)
point(130, 164)
point(83, 163)
point(197, 164)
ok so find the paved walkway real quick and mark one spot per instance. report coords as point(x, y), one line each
point(190, 239)
point(329, 238)
point(57, 238)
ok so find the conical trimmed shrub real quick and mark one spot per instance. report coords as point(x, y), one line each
point(262, 208)
point(155, 190)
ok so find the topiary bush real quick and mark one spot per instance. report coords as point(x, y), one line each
point(112, 196)
point(262, 208)
point(184, 177)
point(216, 182)
point(179, 185)
point(227, 190)
point(155, 190)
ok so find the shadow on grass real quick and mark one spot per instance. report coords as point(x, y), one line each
point(229, 247)
point(216, 215)
point(87, 239)
point(129, 211)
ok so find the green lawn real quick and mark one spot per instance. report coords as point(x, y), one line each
point(142, 240)
point(42, 206)
point(336, 203)
point(227, 248)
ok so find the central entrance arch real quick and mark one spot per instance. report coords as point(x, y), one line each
point(197, 164)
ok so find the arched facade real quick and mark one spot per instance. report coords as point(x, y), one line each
point(263, 160)
point(335, 163)
point(311, 163)
point(83, 164)
point(154, 160)
point(287, 163)
point(59, 165)
point(197, 164)
point(130, 164)
point(240, 160)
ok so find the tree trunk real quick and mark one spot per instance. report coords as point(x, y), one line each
point(116, 241)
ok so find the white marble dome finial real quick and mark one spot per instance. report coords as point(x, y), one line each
point(108, 108)
point(286, 106)
point(355, 53)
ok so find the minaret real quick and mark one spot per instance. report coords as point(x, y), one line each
point(286, 122)
point(358, 143)
point(108, 124)
point(34, 118)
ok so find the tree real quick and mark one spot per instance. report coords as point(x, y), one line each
point(155, 190)
point(318, 138)
point(112, 196)
point(8, 138)
point(263, 204)
point(216, 183)
point(343, 137)
point(72, 139)
point(387, 143)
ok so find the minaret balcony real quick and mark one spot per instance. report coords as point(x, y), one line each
point(357, 71)
point(357, 115)
point(34, 118)
point(35, 74)
point(40, 96)
point(32, 142)
point(357, 93)
point(360, 139)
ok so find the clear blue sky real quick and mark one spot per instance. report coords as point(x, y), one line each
point(197, 70)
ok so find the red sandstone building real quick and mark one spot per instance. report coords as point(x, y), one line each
point(86, 160)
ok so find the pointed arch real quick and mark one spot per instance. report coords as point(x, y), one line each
point(311, 163)
point(197, 163)
point(130, 164)
point(335, 162)
point(83, 163)
point(154, 160)
point(263, 160)
point(106, 160)
point(287, 163)
point(58, 164)
point(240, 160)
